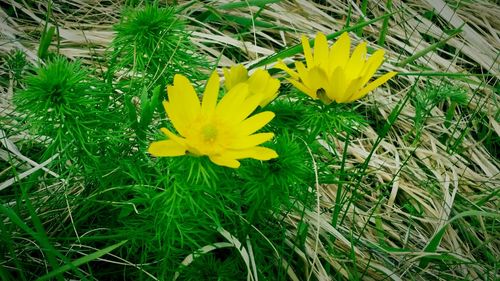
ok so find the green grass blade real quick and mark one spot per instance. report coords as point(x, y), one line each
point(385, 25)
point(364, 6)
point(40, 237)
point(342, 175)
point(248, 22)
point(436, 238)
point(391, 120)
point(81, 261)
point(45, 41)
point(244, 4)
point(41, 233)
point(8, 242)
point(429, 49)
point(348, 18)
point(449, 114)
point(47, 34)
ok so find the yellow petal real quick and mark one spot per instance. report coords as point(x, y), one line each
point(351, 90)
point(303, 88)
point(271, 92)
point(174, 137)
point(210, 94)
point(356, 63)
point(338, 85)
point(320, 50)
point(237, 105)
point(260, 82)
point(258, 152)
point(237, 74)
point(249, 141)
point(226, 72)
point(339, 52)
point(373, 85)
point(303, 73)
point(319, 81)
point(246, 108)
point(254, 123)
point(372, 65)
point(307, 51)
point(182, 95)
point(166, 148)
point(281, 65)
point(177, 117)
point(317, 78)
point(230, 102)
point(224, 161)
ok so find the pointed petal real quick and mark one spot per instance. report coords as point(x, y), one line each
point(182, 95)
point(254, 123)
point(320, 50)
point(356, 63)
point(307, 51)
point(373, 85)
point(258, 81)
point(339, 52)
point(303, 73)
point(337, 87)
point(237, 74)
point(237, 105)
point(174, 137)
point(232, 99)
point(224, 161)
point(226, 72)
point(372, 65)
point(166, 148)
point(318, 78)
point(210, 94)
point(262, 83)
point(351, 90)
point(246, 108)
point(303, 88)
point(177, 117)
point(271, 92)
point(252, 140)
point(281, 65)
point(258, 153)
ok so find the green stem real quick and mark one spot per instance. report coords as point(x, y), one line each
point(338, 196)
point(429, 49)
point(385, 24)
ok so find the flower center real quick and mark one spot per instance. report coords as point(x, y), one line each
point(209, 132)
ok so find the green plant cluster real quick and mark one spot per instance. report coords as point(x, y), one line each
point(152, 44)
point(153, 212)
point(431, 97)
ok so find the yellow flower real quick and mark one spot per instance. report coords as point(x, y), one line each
point(259, 83)
point(332, 74)
point(222, 131)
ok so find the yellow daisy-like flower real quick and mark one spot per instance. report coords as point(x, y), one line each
point(332, 74)
point(259, 83)
point(222, 131)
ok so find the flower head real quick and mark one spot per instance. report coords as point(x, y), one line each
point(332, 74)
point(259, 83)
point(222, 131)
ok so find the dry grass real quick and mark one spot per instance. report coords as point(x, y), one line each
point(398, 169)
